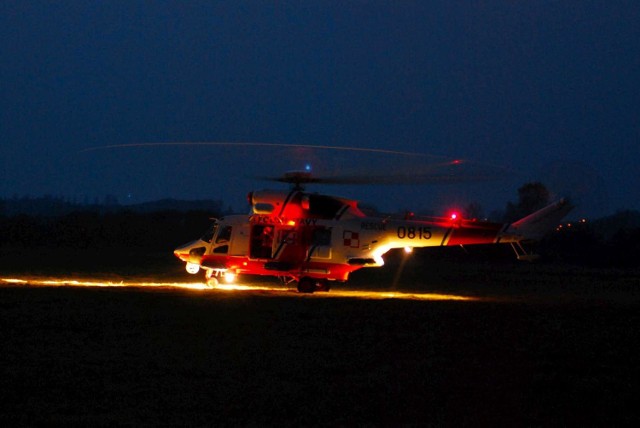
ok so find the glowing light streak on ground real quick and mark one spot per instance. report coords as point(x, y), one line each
point(381, 295)
point(241, 287)
point(231, 288)
point(101, 283)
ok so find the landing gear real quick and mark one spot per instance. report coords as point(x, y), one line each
point(323, 285)
point(309, 285)
point(212, 281)
point(521, 253)
point(306, 285)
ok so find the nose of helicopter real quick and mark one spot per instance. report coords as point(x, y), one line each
point(182, 252)
point(191, 252)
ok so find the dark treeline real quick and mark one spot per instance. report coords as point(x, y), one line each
point(85, 230)
point(52, 206)
point(609, 241)
point(54, 223)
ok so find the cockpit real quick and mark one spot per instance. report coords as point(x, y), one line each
point(219, 236)
point(210, 233)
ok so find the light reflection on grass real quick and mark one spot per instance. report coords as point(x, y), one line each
point(247, 288)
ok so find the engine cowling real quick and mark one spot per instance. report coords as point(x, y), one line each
point(268, 202)
point(298, 204)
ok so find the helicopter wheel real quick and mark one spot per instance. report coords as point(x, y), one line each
point(211, 280)
point(324, 285)
point(306, 285)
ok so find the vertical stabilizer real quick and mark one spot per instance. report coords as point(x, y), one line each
point(536, 225)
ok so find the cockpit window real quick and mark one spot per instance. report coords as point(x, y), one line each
point(224, 235)
point(208, 235)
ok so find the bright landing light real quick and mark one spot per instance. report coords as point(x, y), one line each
point(193, 268)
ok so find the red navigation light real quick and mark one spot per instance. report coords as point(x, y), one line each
point(454, 216)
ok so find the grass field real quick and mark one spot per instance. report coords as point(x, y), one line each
point(542, 345)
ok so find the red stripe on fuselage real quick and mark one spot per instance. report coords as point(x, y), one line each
point(470, 233)
point(324, 270)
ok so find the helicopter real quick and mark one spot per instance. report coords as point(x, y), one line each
point(318, 240)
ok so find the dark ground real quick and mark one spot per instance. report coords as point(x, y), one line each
point(547, 345)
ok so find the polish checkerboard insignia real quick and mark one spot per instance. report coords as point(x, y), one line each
point(351, 239)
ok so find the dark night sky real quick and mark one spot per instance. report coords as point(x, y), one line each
point(548, 89)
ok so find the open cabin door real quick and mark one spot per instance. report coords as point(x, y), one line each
point(261, 241)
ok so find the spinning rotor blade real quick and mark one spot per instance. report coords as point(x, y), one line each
point(244, 144)
point(383, 166)
point(452, 172)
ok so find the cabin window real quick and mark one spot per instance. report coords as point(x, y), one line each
point(222, 249)
point(321, 237)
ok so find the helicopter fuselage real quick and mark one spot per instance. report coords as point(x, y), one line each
point(313, 238)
